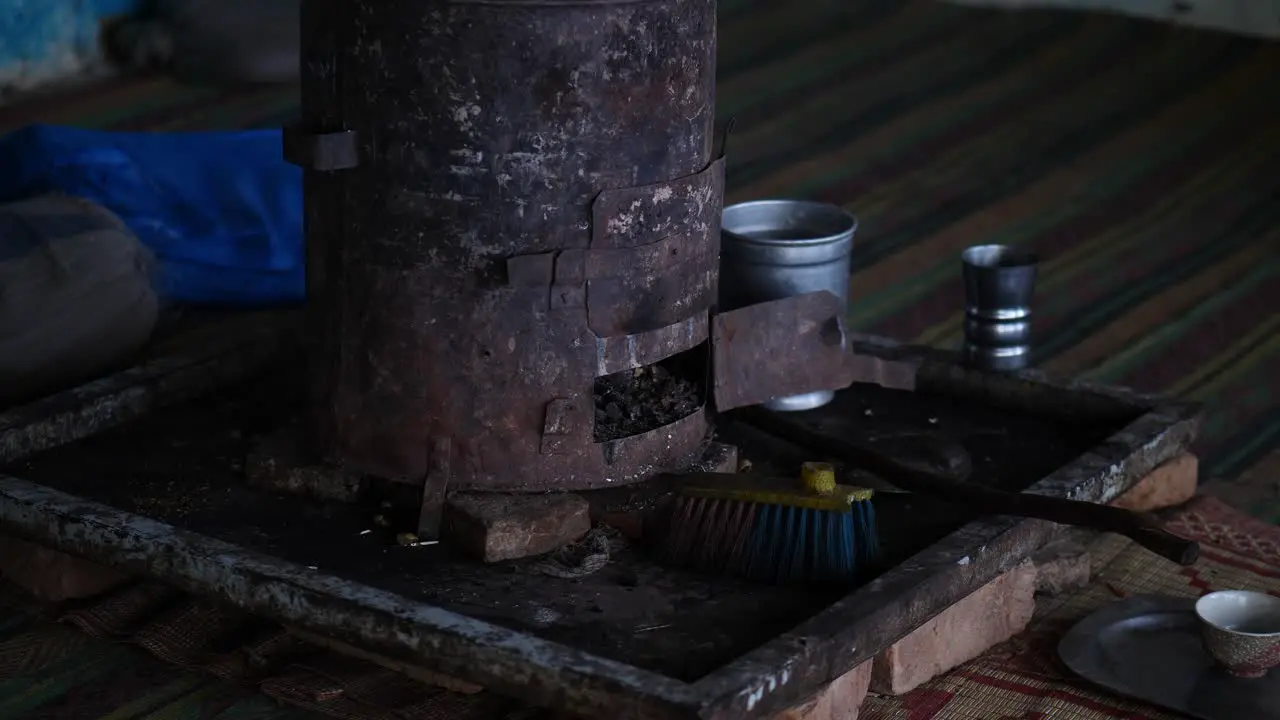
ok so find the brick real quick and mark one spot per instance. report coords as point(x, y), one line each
point(988, 616)
point(1061, 567)
point(52, 575)
point(1171, 484)
point(494, 527)
point(840, 700)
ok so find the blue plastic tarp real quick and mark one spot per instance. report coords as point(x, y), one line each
point(222, 211)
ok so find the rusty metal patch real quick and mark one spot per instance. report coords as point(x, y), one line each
point(626, 291)
point(673, 445)
point(558, 435)
point(893, 374)
point(782, 347)
point(434, 488)
point(636, 216)
point(537, 270)
point(655, 252)
point(631, 304)
point(626, 352)
point(324, 152)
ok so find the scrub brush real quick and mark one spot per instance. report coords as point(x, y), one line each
point(770, 529)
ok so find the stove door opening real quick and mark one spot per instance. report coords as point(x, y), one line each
point(641, 400)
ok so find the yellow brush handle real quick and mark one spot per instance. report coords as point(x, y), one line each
point(818, 477)
point(818, 489)
point(839, 501)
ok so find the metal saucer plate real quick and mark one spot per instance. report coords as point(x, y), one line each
point(1148, 647)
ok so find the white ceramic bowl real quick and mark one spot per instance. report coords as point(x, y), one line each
point(1241, 630)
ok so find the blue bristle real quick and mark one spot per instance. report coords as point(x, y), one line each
point(802, 545)
point(844, 554)
point(792, 539)
point(869, 547)
point(788, 544)
point(754, 563)
point(823, 567)
point(816, 530)
point(779, 547)
point(776, 547)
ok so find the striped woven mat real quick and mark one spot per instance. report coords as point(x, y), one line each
point(1023, 679)
point(1142, 162)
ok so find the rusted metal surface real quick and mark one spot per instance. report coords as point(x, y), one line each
point(435, 487)
point(655, 254)
point(536, 204)
point(760, 682)
point(632, 351)
point(203, 357)
point(779, 348)
point(325, 152)
point(895, 374)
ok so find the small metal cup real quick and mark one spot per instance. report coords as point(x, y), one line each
point(774, 249)
point(999, 282)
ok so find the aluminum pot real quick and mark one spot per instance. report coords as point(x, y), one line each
point(773, 249)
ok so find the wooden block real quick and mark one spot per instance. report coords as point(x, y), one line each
point(493, 527)
point(1171, 484)
point(52, 575)
point(1062, 566)
point(990, 615)
point(840, 700)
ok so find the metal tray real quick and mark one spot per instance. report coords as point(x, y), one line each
point(1148, 647)
point(81, 497)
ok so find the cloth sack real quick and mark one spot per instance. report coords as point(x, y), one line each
point(76, 295)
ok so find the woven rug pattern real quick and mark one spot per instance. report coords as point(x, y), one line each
point(1139, 160)
point(1023, 678)
point(52, 665)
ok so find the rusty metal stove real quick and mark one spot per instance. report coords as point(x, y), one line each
point(506, 201)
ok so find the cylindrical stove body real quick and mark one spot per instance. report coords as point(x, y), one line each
point(530, 202)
